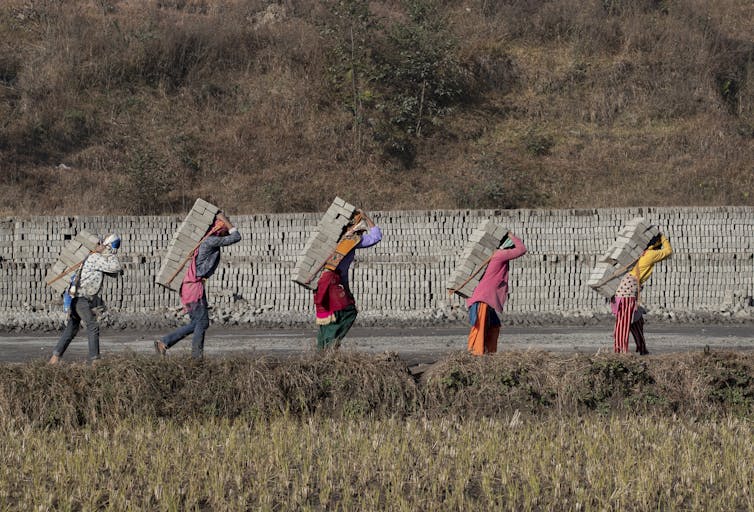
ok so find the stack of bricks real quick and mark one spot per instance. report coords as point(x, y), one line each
point(322, 243)
point(184, 242)
point(628, 246)
point(72, 254)
point(6, 239)
point(408, 271)
point(484, 241)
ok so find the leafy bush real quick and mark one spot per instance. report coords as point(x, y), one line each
point(537, 143)
point(145, 184)
point(496, 184)
point(397, 79)
point(421, 69)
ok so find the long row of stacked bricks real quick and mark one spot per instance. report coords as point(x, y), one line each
point(632, 239)
point(484, 241)
point(408, 272)
point(185, 240)
point(322, 243)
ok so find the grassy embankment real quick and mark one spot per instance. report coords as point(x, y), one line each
point(517, 431)
point(409, 104)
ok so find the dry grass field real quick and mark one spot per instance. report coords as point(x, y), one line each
point(515, 431)
point(394, 104)
point(572, 463)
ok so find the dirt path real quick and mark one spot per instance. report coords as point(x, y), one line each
point(413, 345)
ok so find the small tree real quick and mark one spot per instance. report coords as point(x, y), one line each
point(145, 184)
point(352, 69)
point(396, 79)
point(421, 68)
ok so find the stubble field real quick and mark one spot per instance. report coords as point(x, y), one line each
point(340, 431)
point(556, 463)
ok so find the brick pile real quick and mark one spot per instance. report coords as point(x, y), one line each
point(6, 240)
point(322, 243)
point(632, 239)
point(72, 254)
point(408, 271)
point(185, 240)
point(484, 241)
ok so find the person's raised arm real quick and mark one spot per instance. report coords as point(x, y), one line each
point(518, 249)
point(372, 236)
point(105, 262)
point(656, 255)
point(232, 237)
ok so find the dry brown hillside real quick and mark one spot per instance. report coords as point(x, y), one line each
point(125, 106)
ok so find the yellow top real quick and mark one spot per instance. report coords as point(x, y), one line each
point(643, 268)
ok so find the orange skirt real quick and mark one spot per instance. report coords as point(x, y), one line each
point(483, 337)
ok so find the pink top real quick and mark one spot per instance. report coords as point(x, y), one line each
point(192, 287)
point(493, 287)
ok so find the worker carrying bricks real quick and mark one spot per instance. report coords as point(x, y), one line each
point(625, 304)
point(82, 296)
point(203, 263)
point(335, 309)
point(490, 295)
point(333, 300)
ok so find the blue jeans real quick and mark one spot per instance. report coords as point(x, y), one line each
point(81, 309)
point(199, 316)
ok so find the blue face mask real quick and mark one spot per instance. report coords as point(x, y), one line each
point(508, 244)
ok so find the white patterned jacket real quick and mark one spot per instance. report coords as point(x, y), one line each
point(93, 272)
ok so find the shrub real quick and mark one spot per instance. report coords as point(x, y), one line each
point(144, 184)
point(421, 68)
point(332, 385)
point(499, 184)
point(396, 78)
point(537, 143)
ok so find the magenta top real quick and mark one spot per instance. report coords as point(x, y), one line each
point(192, 287)
point(493, 287)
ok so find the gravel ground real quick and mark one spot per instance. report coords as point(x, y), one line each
point(414, 345)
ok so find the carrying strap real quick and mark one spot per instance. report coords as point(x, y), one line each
point(77, 279)
point(451, 291)
point(191, 253)
point(624, 270)
point(347, 243)
point(345, 246)
point(638, 282)
point(617, 273)
point(68, 270)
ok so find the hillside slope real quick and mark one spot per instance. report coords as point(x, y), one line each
point(119, 106)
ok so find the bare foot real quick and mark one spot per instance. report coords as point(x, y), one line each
point(160, 348)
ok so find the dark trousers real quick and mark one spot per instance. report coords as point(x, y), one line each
point(199, 322)
point(330, 335)
point(81, 309)
point(637, 331)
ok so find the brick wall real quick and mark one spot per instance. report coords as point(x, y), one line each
point(713, 263)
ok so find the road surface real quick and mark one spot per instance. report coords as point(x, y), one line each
point(420, 345)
